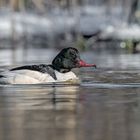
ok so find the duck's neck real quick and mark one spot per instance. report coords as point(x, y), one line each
point(61, 70)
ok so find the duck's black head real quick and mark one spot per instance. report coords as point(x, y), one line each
point(68, 59)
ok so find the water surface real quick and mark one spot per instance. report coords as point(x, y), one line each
point(105, 106)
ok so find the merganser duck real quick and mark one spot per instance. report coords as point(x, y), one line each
point(58, 71)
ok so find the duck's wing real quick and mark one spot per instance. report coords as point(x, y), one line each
point(40, 68)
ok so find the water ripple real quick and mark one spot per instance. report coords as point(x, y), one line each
point(111, 85)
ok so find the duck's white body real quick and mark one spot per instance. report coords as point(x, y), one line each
point(35, 77)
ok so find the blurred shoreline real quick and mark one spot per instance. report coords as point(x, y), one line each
point(57, 25)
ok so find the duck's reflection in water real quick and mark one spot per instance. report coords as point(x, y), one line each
point(38, 112)
point(69, 113)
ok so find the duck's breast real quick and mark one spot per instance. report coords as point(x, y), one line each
point(69, 77)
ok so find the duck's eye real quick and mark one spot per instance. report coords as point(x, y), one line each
point(72, 54)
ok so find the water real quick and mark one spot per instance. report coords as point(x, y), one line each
point(106, 105)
